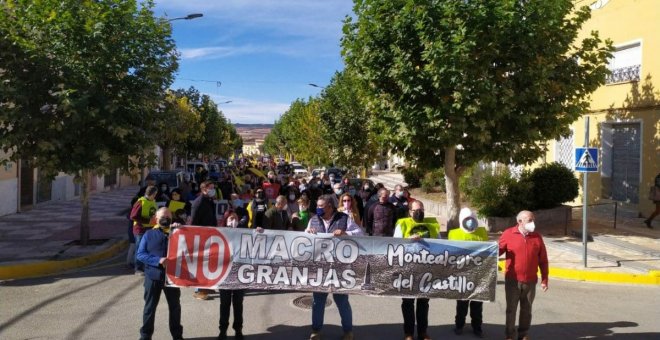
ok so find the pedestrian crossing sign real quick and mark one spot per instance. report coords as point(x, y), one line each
point(586, 159)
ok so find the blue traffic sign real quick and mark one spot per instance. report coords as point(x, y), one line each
point(586, 159)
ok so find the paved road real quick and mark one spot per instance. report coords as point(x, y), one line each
point(105, 302)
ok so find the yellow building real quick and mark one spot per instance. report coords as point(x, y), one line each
point(625, 112)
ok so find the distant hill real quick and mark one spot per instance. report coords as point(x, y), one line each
point(253, 126)
point(251, 132)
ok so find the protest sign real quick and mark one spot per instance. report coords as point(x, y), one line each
point(227, 258)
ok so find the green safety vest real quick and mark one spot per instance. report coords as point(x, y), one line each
point(429, 228)
point(148, 210)
point(175, 206)
point(458, 234)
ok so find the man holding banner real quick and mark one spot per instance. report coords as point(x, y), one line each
point(152, 251)
point(329, 220)
point(416, 227)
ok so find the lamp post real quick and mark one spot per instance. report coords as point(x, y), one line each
point(314, 85)
point(188, 17)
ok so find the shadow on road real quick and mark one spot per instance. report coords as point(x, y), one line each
point(566, 331)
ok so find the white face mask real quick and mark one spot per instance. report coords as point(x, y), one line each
point(529, 227)
point(232, 224)
point(210, 193)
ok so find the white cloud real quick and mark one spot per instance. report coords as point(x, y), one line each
point(216, 52)
point(248, 111)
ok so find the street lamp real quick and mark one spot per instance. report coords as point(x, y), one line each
point(314, 85)
point(188, 17)
point(227, 102)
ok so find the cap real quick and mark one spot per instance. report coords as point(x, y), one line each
point(465, 213)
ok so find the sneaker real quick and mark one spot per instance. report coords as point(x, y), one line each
point(648, 224)
point(478, 333)
point(424, 336)
point(458, 331)
point(409, 337)
point(239, 336)
point(222, 336)
point(139, 273)
point(347, 336)
point(202, 295)
point(315, 336)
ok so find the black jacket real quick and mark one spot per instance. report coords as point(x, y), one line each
point(202, 212)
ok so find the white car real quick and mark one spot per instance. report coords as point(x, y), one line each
point(299, 170)
point(300, 173)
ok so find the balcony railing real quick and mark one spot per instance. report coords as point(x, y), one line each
point(624, 74)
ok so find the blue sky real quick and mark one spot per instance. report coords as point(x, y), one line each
point(264, 52)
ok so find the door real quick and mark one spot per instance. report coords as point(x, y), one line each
point(625, 162)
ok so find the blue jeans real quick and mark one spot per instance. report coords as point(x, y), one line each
point(139, 266)
point(343, 305)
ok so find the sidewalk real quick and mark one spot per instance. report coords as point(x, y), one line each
point(629, 254)
point(40, 241)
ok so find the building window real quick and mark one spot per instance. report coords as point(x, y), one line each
point(625, 64)
point(564, 151)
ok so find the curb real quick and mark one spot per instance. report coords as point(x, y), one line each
point(651, 278)
point(37, 269)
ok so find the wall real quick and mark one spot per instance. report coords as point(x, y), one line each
point(9, 198)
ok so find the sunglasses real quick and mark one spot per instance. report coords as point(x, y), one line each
point(345, 200)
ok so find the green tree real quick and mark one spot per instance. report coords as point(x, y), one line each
point(180, 123)
point(274, 142)
point(300, 132)
point(347, 122)
point(210, 140)
point(234, 141)
point(455, 82)
point(81, 82)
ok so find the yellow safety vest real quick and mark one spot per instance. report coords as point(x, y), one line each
point(429, 228)
point(148, 211)
point(458, 234)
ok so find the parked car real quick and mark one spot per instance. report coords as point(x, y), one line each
point(339, 173)
point(172, 177)
point(300, 171)
point(193, 165)
point(316, 172)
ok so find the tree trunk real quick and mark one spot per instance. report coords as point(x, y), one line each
point(453, 193)
point(84, 199)
point(167, 158)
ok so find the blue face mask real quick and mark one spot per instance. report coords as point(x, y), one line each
point(320, 212)
point(352, 192)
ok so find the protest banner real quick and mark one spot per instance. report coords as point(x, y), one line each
point(227, 258)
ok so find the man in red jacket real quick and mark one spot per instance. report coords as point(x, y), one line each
point(525, 254)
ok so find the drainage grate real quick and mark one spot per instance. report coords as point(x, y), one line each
point(305, 302)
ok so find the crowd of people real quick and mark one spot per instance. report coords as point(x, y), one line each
point(262, 198)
